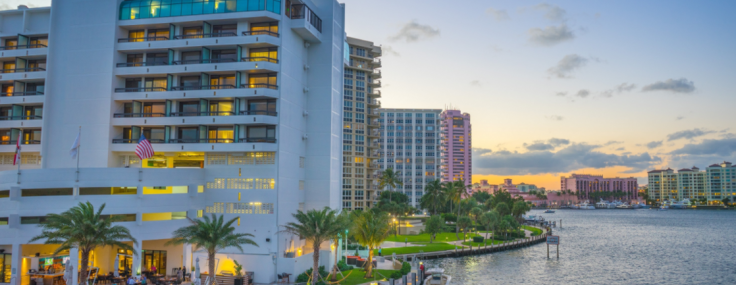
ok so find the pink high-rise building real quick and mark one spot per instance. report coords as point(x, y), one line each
point(584, 184)
point(456, 149)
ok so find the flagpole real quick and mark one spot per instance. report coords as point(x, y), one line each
point(78, 151)
point(20, 159)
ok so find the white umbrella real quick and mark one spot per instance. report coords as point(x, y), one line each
point(196, 272)
point(68, 272)
point(115, 270)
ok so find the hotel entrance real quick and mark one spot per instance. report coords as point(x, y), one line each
point(125, 259)
point(155, 258)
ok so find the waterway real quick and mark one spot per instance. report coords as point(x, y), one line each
point(615, 247)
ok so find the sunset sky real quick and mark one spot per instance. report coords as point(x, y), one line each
point(553, 88)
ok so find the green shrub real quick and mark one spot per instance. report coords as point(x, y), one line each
point(405, 268)
point(304, 277)
point(396, 275)
point(477, 239)
point(343, 266)
point(449, 217)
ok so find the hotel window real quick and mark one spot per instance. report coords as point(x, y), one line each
point(221, 108)
point(136, 35)
point(161, 58)
point(261, 133)
point(262, 107)
point(229, 30)
point(192, 32)
point(360, 85)
point(262, 81)
point(347, 117)
point(222, 82)
point(228, 55)
point(348, 84)
point(188, 82)
point(9, 43)
point(158, 34)
point(359, 96)
point(348, 73)
point(35, 65)
point(264, 54)
point(156, 84)
point(360, 75)
point(347, 105)
point(220, 134)
point(360, 52)
point(360, 118)
point(264, 28)
point(360, 107)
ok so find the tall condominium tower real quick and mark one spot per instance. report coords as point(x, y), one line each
point(410, 145)
point(240, 99)
point(456, 150)
point(360, 123)
point(717, 182)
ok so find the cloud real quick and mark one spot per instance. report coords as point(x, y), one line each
point(688, 134)
point(414, 32)
point(679, 118)
point(621, 149)
point(475, 83)
point(654, 144)
point(550, 35)
point(555, 117)
point(681, 85)
point(567, 65)
point(561, 94)
point(621, 88)
point(551, 144)
point(390, 50)
point(481, 151)
point(551, 12)
point(570, 158)
point(612, 143)
point(583, 93)
point(720, 147)
point(498, 15)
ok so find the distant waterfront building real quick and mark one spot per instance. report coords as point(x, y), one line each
point(483, 186)
point(523, 187)
point(718, 181)
point(410, 145)
point(585, 184)
point(456, 151)
point(360, 124)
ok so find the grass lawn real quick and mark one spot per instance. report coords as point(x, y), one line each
point(356, 277)
point(441, 237)
point(535, 231)
point(428, 247)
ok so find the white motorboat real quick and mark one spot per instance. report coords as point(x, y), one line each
point(602, 205)
point(437, 276)
point(624, 206)
point(681, 204)
point(586, 206)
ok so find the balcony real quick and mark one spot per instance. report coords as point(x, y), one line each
point(195, 118)
point(258, 113)
point(376, 74)
point(22, 93)
point(374, 103)
point(259, 33)
point(374, 83)
point(306, 23)
point(19, 118)
point(174, 145)
point(203, 61)
point(260, 85)
point(143, 39)
point(22, 70)
point(375, 93)
point(27, 146)
point(28, 46)
point(140, 89)
point(205, 36)
point(203, 87)
point(377, 63)
point(139, 64)
point(259, 59)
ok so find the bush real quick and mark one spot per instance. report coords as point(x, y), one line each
point(448, 228)
point(356, 247)
point(343, 266)
point(405, 268)
point(449, 217)
point(304, 277)
point(395, 275)
point(478, 239)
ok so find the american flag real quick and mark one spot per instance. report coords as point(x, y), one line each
point(16, 158)
point(144, 149)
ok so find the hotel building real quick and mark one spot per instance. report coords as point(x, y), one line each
point(584, 184)
point(241, 100)
point(456, 151)
point(410, 145)
point(360, 124)
point(718, 181)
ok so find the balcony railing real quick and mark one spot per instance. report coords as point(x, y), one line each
point(256, 33)
point(138, 115)
point(21, 93)
point(201, 141)
point(193, 114)
point(201, 61)
point(201, 36)
point(136, 64)
point(258, 113)
point(140, 89)
point(143, 39)
point(28, 46)
point(258, 140)
point(203, 87)
point(260, 85)
point(19, 70)
point(136, 141)
point(14, 118)
point(301, 11)
point(259, 58)
point(6, 142)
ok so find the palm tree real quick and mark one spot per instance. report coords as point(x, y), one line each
point(317, 226)
point(370, 229)
point(344, 219)
point(433, 196)
point(83, 228)
point(390, 178)
point(454, 192)
point(212, 234)
point(490, 221)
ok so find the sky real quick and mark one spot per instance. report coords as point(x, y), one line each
point(611, 88)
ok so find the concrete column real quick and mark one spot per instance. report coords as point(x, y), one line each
point(137, 257)
point(74, 260)
point(15, 265)
point(187, 257)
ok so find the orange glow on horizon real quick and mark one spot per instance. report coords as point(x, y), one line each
point(552, 181)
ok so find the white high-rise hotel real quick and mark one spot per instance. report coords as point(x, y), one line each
point(241, 99)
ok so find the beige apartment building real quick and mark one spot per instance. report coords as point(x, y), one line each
point(360, 125)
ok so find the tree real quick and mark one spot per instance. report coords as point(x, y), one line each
point(465, 223)
point(519, 208)
point(489, 220)
point(476, 212)
point(502, 208)
point(481, 196)
point(370, 229)
point(344, 220)
point(433, 196)
point(397, 205)
point(433, 226)
point(83, 228)
point(511, 223)
point(390, 178)
point(453, 194)
point(502, 196)
point(212, 234)
point(317, 227)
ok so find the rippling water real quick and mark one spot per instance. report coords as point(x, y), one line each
point(615, 247)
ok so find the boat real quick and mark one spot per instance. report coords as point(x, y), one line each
point(602, 205)
point(663, 208)
point(586, 206)
point(681, 204)
point(549, 211)
point(437, 276)
point(624, 206)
